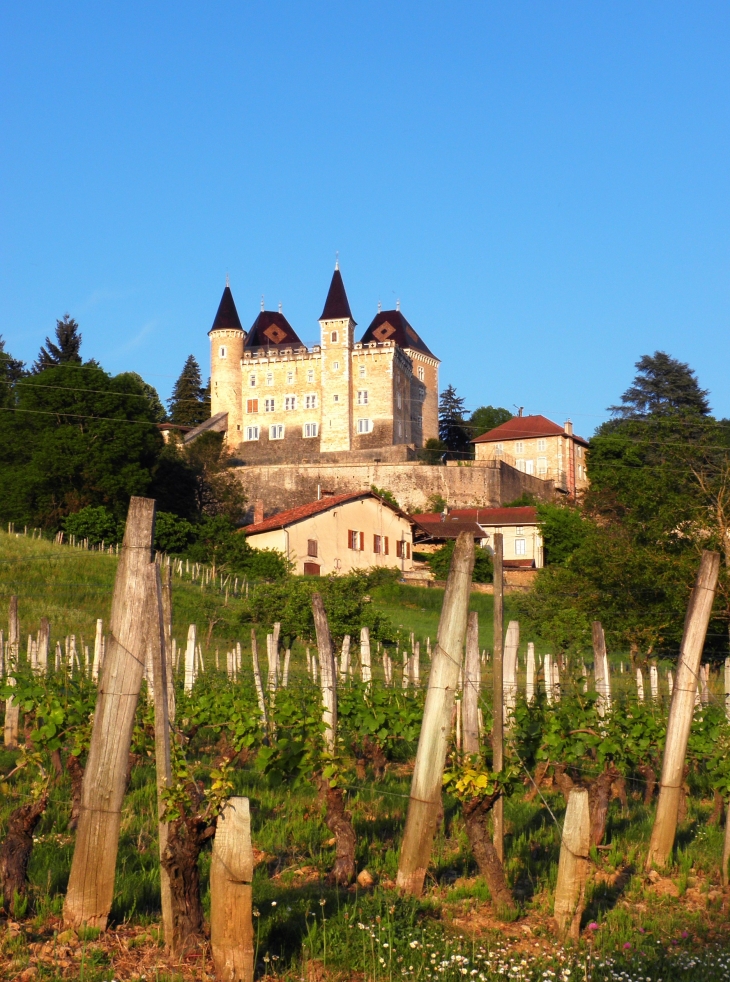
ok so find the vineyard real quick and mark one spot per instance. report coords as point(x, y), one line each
point(205, 778)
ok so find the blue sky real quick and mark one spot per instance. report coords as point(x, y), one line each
point(543, 185)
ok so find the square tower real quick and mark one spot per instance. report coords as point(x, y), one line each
point(337, 339)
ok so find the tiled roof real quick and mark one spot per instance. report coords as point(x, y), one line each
point(391, 325)
point(271, 330)
point(525, 515)
point(449, 529)
point(293, 515)
point(336, 306)
point(525, 428)
point(227, 318)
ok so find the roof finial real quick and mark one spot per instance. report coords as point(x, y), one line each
point(380, 306)
point(262, 301)
point(337, 260)
point(228, 283)
point(397, 304)
point(280, 306)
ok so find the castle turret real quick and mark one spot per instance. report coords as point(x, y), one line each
point(337, 342)
point(226, 351)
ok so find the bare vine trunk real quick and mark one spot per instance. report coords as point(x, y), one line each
point(476, 822)
point(180, 859)
point(16, 849)
point(339, 822)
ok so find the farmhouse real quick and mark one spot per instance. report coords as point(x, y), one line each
point(280, 401)
point(338, 534)
point(522, 542)
point(536, 445)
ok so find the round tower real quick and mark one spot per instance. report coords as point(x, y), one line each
point(226, 352)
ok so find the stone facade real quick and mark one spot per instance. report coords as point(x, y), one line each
point(287, 402)
point(282, 486)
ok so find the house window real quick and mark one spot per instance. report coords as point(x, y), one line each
point(310, 376)
point(356, 540)
point(252, 406)
point(268, 405)
point(362, 397)
point(290, 378)
point(519, 447)
point(335, 365)
point(519, 547)
point(276, 432)
point(579, 451)
point(542, 465)
point(310, 401)
point(335, 398)
point(520, 530)
point(252, 381)
point(362, 371)
point(290, 402)
point(542, 444)
point(252, 432)
point(222, 351)
point(580, 472)
point(312, 547)
point(364, 426)
point(333, 337)
point(498, 449)
point(311, 429)
point(530, 466)
point(421, 373)
point(521, 466)
point(269, 378)
point(385, 545)
point(377, 539)
point(403, 549)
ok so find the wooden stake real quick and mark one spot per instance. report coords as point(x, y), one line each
point(257, 679)
point(682, 710)
point(511, 647)
point(345, 659)
point(91, 883)
point(639, 685)
point(285, 676)
point(573, 865)
point(12, 712)
point(98, 638)
point(472, 678)
point(231, 894)
point(547, 669)
point(425, 797)
point(600, 665)
point(498, 691)
point(327, 671)
point(190, 652)
point(654, 682)
point(530, 685)
point(365, 664)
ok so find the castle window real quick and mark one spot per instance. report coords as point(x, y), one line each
point(364, 426)
point(269, 378)
point(399, 399)
point(290, 403)
point(222, 351)
point(290, 378)
point(335, 398)
point(276, 432)
point(519, 447)
point(398, 429)
point(310, 401)
point(252, 406)
point(362, 371)
point(542, 444)
point(252, 433)
point(362, 397)
point(421, 373)
point(269, 405)
point(336, 365)
point(252, 381)
point(334, 337)
point(310, 376)
point(579, 451)
point(519, 547)
point(310, 430)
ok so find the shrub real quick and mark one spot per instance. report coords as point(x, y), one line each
point(95, 523)
point(440, 563)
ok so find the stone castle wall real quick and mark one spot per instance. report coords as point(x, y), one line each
point(282, 486)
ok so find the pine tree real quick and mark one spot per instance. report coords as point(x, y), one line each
point(663, 385)
point(187, 403)
point(451, 421)
point(11, 369)
point(67, 349)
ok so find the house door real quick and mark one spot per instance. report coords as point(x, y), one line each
point(311, 569)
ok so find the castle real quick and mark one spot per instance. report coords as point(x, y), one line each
point(280, 401)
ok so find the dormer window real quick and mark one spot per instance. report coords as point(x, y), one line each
point(333, 337)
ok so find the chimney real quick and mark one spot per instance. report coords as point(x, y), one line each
point(258, 511)
point(568, 427)
point(520, 411)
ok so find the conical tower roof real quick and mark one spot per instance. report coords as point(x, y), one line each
point(391, 325)
point(227, 317)
point(336, 306)
point(272, 330)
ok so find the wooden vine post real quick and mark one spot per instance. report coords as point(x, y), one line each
point(682, 710)
point(498, 690)
point(425, 798)
point(573, 865)
point(231, 894)
point(365, 665)
point(12, 712)
point(327, 671)
point(509, 671)
point(471, 686)
point(91, 883)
